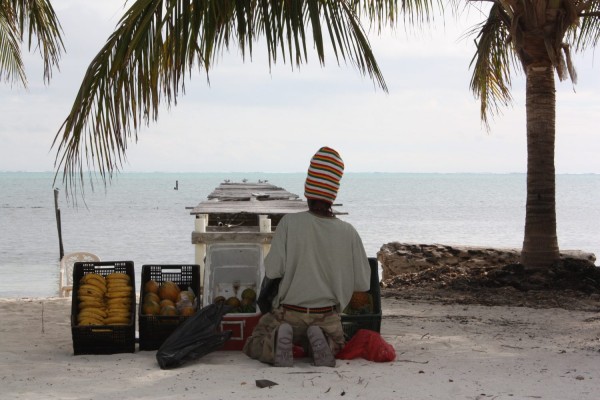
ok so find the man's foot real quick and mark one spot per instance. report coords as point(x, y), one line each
point(283, 346)
point(322, 355)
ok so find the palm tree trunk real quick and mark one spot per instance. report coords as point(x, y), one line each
point(540, 244)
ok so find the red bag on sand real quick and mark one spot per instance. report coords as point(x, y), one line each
point(298, 352)
point(369, 345)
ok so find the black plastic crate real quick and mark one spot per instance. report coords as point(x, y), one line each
point(155, 329)
point(372, 321)
point(102, 339)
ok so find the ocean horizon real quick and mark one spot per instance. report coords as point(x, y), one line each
point(139, 216)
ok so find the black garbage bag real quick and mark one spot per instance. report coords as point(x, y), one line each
point(194, 338)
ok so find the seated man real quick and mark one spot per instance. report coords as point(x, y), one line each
point(321, 261)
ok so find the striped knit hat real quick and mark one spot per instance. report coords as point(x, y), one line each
point(324, 175)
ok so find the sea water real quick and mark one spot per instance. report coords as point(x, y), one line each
point(140, 217)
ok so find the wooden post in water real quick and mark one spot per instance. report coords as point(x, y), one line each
point(58, 226)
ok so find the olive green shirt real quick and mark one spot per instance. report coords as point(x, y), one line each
point(321, 261)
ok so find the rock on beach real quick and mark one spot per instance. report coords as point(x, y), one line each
point(398, 258)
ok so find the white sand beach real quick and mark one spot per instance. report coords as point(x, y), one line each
point(443, 352)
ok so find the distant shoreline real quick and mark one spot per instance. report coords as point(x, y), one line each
point(226, 173)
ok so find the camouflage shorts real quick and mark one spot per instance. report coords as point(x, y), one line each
point(261, 345)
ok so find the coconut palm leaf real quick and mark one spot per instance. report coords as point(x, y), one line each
point(384, 13)
point(492, 63)
point(11, 63)
point(157, 42)
point(588, 33)
point(36, 21)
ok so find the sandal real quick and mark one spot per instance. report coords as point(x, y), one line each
point(283, 346)
point(322, 355)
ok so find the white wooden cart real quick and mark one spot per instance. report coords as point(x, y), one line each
point(233, 232)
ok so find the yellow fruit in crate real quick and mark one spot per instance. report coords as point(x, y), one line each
point(94, 282)
point(93, 312)
point(151, 297)
point(168, 310)
point(118, 285)
point(117, 276)
point(360, 300)
point(151, 308)
point(166, 302)
point(186, 295)
point(96, 303)
point(169, 290)
point(120, 320)
point(151, 286)
point(187, 311)
point(90, 290)
point(117, 314)
point(119, 301)
point(219, 299)
point(88, 278)
point(83, 297)
point(89, 322)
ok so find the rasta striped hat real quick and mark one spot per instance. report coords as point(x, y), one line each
point(324, 175)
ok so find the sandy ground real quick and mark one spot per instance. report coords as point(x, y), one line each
point(443, 352)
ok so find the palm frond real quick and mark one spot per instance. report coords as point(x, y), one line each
point(384, 13)
point(36, 21)
point(491, 78)
point(417, 12)
point(144, 62)
point(12, 69)
point(381, 13)
point(588, 34)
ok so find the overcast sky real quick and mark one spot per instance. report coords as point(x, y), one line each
point(253, 120)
